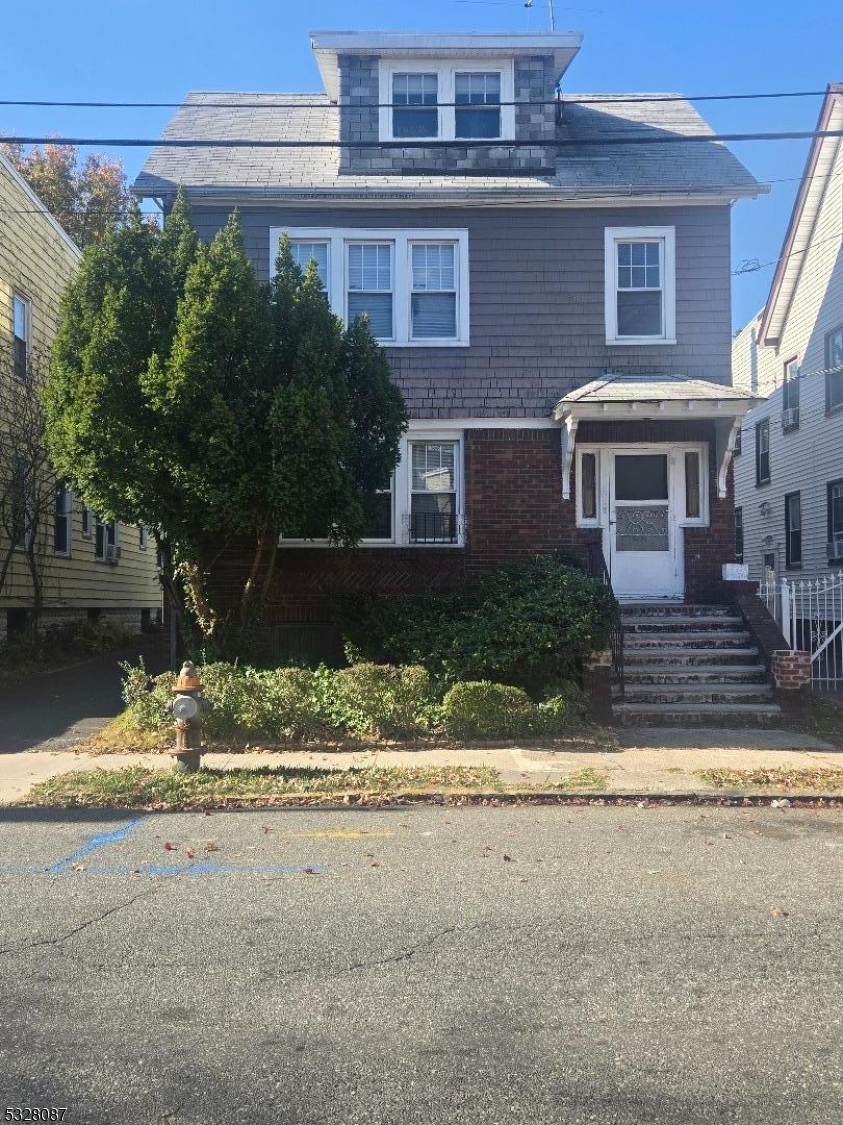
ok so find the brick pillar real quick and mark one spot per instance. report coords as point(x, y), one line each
point(791, 670)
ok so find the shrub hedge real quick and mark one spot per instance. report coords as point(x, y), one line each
point(364, 700)
point(528, 624)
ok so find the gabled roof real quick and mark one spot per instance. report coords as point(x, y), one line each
point(821, 159)
point(587, 173)
point(38, 206)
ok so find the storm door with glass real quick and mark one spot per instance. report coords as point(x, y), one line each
point(642, 527)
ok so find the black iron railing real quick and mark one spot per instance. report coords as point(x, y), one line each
point(597, 569)
point(433, 527)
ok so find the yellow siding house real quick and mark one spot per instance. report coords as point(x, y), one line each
point(85, 568)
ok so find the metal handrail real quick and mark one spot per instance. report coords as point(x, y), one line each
point(597, 569)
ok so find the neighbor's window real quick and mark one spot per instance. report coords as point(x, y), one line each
point(588, 485)
point(640, 299)
point(21, 332)
point(21, 515)
point(414, 105)
point(433, 295)
point(105, 546)
point(790, 396)
point(61, 521)
point(834, 369)
point(433, 492)
point(86, 523)
point(379, 516)
point(739, 535)
point(477, 112)
point(835, 521)
point(370, 286)
point(762, 452)
point(143, 537)
point(306, 252)
point(793, 529)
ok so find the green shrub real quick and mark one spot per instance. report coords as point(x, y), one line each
point(382, 700)
point(145, 697)
point(479, 710)
point(560, 711)
point(528, 624)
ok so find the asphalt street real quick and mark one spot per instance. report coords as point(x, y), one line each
point(679, 966)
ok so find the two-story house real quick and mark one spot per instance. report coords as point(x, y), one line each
point(550, 274)
point(53, 550)
point(789, 476)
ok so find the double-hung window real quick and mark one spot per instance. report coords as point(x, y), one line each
point(436, 101)
point(790, 396)
point(640, 284)
point(834, 370)
point(21, 508)
point(105, 545)
point(433, 491)
point(762, 452)
point(793, 529)
point(306, 251)
point(835, 521)
point(370, 286)
point(433, 290)
point(21, 335)
point(415, 99)
point(477, 112)
point(411, 285)
point(62, 521)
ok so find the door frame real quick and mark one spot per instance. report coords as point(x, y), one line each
point(676, 497)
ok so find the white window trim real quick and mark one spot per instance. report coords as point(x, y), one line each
point(445, 94)
point(401, 503)
point(96, 521)
point(26, 302)
point(667, 236)
point(339, 238)
point(676, 468)
point(68, 515)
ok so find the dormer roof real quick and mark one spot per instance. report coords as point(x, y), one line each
point(329, 45)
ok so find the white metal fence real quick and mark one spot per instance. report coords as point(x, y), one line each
point(810, 614)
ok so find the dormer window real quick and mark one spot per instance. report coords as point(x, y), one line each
point(477, 112)
point(414, 105)
point(447, 102)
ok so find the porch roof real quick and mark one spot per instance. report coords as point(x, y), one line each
point(633, 397)
point(653, 396)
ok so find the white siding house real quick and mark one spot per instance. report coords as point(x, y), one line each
point(789, 475)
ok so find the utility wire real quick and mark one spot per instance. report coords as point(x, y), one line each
point(585, 99)
point(607, 140)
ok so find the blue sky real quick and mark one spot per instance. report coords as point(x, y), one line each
point(119, 50)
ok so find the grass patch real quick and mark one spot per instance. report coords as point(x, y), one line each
point(137, 787)
point(819, 780)
point(586, 778)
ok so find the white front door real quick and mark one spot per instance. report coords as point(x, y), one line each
point(643, 537)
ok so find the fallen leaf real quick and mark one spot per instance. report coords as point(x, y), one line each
point(777, 912)
point(507, 859)
point(168, 847)
point(374, 863)
point(211, 846)
point(190, 853)
point(265, 829)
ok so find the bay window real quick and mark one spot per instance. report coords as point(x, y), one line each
point(412, 285)
point(640, 285)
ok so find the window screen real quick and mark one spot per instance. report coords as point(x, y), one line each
point(641, 476)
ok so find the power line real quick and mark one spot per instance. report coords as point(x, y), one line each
point(594, 99)
point(753, 266)
point(607, 140)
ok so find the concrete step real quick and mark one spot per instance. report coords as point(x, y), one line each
point(698, 714)
point(669, 674)
point(738, 638)
point(726, 693)
point(677, 609)
point(680, 624)
point(689, 657)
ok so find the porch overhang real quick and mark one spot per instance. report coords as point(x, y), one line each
point(631, 398)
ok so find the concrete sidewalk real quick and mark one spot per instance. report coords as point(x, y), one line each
point(658, 761)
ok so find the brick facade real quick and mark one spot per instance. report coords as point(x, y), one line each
point(791, 670)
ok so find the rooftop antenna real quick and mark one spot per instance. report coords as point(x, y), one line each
point(552, 14)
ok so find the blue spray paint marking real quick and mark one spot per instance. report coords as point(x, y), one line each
point(168, 870)
point(115, 837)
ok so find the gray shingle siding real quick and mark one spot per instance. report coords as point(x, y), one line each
point(537, 304)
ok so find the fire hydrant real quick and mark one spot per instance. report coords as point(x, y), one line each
point(188, 708)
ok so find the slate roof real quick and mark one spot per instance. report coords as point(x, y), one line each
point(649, 388)
point(706, 168)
